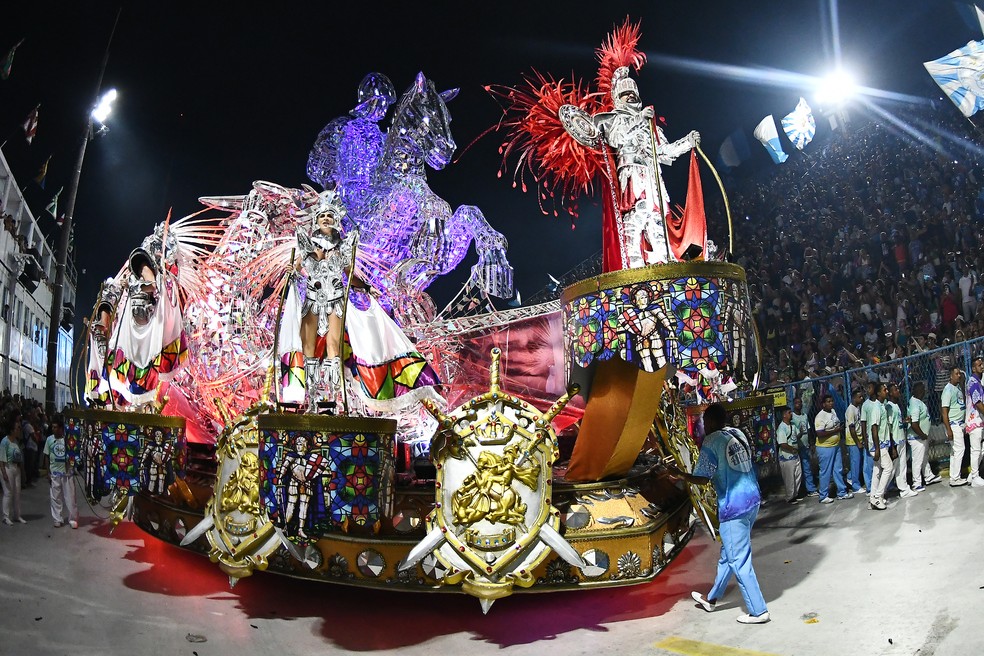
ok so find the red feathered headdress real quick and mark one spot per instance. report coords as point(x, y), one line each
point(619, 49)
point(562, 169)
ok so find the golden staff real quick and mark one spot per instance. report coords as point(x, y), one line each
point(658, 183)
point(727, 207)
point(341, 337)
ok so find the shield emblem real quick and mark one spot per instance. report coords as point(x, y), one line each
point(493, 520)
point(240, 535)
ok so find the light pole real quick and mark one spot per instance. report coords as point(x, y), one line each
point(61, 262)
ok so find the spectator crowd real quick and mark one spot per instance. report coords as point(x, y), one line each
point(867, 248)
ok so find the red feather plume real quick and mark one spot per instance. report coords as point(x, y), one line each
point(562, 169)
point(618, 50)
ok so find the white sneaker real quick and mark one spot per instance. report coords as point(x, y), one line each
point(935, 479)
point(905, 494)
point(703, 603)
point(977, 481)
point(826, 500)
point(862, 490)
point(73, 524)
point(957, 482)
point(754, 619)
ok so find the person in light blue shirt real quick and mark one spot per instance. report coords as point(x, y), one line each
point(62, 491)
point(790, 465)
point(875, 422)
point(12, 471)
point(725, 460)
point(918, 438)
point(953, 404)
point(801, 426)
point(896, 429)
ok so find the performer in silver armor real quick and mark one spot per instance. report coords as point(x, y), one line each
point(641, 203)
point(324, 259)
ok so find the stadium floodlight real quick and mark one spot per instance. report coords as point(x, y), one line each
point(836, 88)
point(105, 106)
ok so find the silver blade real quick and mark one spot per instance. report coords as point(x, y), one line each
point(199, 530)
point(424, 547)
point(309, 557)
point(291, 547)
point(563, 548)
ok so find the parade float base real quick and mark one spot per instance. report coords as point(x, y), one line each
point(627, 530)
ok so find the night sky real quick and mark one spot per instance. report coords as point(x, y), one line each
point(211, 99)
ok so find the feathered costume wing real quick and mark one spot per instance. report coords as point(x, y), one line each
point(562, 169)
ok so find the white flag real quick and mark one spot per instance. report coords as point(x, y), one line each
point(961, 76)
point(799, 125)
point(767, 133)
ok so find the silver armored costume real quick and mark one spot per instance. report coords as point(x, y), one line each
point(641, 203)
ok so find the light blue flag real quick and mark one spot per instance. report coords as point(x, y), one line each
point(799, 125)
point(766, 132)
point(961, 76)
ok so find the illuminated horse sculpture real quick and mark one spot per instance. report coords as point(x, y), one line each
point(408, 234)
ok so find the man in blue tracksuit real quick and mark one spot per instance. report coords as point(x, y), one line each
point(726, 461)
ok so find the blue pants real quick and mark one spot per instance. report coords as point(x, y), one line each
point(831, 465)
point(811, 485)
point(736, 558)
point(854, 460)
point(869, 465)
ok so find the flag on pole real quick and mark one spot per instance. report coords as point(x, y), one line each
point(799, 125)
point(734, 149)
point(961, 76)
point(766, 132)
point(39, 178)
point(8, 61)
point(52, 207)
point(31, 124)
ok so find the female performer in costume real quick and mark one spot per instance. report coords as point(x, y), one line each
point(390, 371)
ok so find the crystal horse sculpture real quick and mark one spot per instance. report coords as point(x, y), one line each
point(408, 234)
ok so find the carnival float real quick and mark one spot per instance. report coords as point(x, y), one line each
point(268, 382)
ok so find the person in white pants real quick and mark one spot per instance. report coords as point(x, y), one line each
point(975, 419)
point(789, 458)
point(918, 439)
point(897, 433)
point(12, 471)
point(874, 421)
point(953, 407)
point(62, 494)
